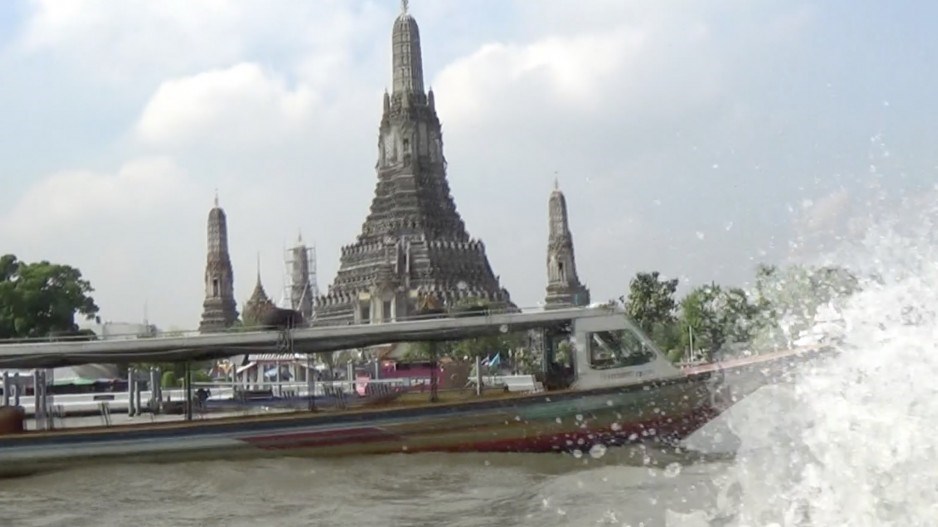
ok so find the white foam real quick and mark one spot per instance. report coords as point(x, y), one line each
point(855, 440)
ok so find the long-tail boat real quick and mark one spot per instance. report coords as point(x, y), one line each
point(610, 386)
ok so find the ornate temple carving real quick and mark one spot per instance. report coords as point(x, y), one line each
point(413, 243)
point(218, 310)
point(563, 285)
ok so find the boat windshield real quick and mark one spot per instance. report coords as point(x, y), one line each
point(618, 349)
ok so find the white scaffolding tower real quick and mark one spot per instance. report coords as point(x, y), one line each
point(300, 287)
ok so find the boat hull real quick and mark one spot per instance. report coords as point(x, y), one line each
point(542, 422)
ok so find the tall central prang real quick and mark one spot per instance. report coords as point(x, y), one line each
point(413, 247)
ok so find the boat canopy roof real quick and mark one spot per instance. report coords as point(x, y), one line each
point(304, 340)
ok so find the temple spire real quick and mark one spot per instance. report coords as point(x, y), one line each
point(414, 247)
point(406, 58)
point(218, 309)
point(258, 268)
point(563, 285)
point(257, 306)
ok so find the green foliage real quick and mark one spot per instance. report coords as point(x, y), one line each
point(200, 376)
point(485, 346)
point(790, 298)
point(651, 301)
point(41, 299)
point(169, 380)
point(651, 304)
point(716, 316)
point(467, 349)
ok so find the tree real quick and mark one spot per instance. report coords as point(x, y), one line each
point(717, 316)
point(651, 300)
point(41, 299)
point(651, 304)
point(791, 297)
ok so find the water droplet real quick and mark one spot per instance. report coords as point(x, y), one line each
point(577, 453)
point(673, 470)
point(616, 427)
point(579, 417)
point(559, 420)
point(597, 451)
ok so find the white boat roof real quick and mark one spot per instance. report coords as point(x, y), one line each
point(305, 340)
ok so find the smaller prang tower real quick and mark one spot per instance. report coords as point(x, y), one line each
point(218, 309)
point(257, 307)
point(563, 286)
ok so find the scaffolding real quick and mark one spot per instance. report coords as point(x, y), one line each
point(300, 287)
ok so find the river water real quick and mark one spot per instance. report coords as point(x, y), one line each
point(853, 441)
point(406, 490)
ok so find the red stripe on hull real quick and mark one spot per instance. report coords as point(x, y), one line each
point(664, 429)
point(657, 430)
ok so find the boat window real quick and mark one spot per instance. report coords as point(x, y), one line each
point(618, 349)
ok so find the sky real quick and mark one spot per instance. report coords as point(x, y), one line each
point(693, 138)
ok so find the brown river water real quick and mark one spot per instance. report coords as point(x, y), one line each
point(633, 486)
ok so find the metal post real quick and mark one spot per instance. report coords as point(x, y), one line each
point(310, 383)
point(7, 386)
point(151, 402)
point(478, 375)
point(159, 390)
point(138, 395)
point(279, 378)
point(434, 397)
point(48, 378)
point(37, 401)
point(16, 389)
point(187, 383)
point(131, 409)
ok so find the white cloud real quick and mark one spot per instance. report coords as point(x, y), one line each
point(69, 201)
point(613, 72)
point(134, 41)
point(123, 39)
point(130, 232)
point(239, 106)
